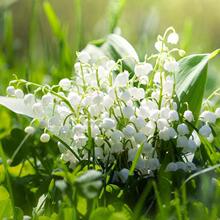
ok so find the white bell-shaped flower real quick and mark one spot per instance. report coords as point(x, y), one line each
point(182, 142)
point(108, 123)
point(29, 99)
point(162, 123)
point(116, 136)
point(128, 111)
point(123, 175)
point(208, 116)
point(129, 131)
point(171, 66)
point(139, 137)
point(182, 129)
point(173, 38)
point(205, 130)
point(171, 167)
point(83, 57)
point(65, 84)
point(121, 79)
point(19, 93)
point(142, 69)
point(188, 116)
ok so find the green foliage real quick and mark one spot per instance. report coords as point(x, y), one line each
point(191, 81)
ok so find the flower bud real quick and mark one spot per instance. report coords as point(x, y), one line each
point(44, 138)
point(29, 130)
point(10, 90)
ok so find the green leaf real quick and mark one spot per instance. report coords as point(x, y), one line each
point(116, 47)
point(191, 81)
point(16, 105)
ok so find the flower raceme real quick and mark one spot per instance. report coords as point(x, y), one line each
point(106, 114)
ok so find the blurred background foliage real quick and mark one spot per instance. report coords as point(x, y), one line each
point(38, 45)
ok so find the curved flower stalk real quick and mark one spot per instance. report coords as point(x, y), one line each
point(140, 118)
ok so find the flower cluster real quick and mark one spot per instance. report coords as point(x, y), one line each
point(106, 114)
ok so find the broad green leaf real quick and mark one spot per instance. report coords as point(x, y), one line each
point(16, 105)
point(116, 47)
point(191, 81)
